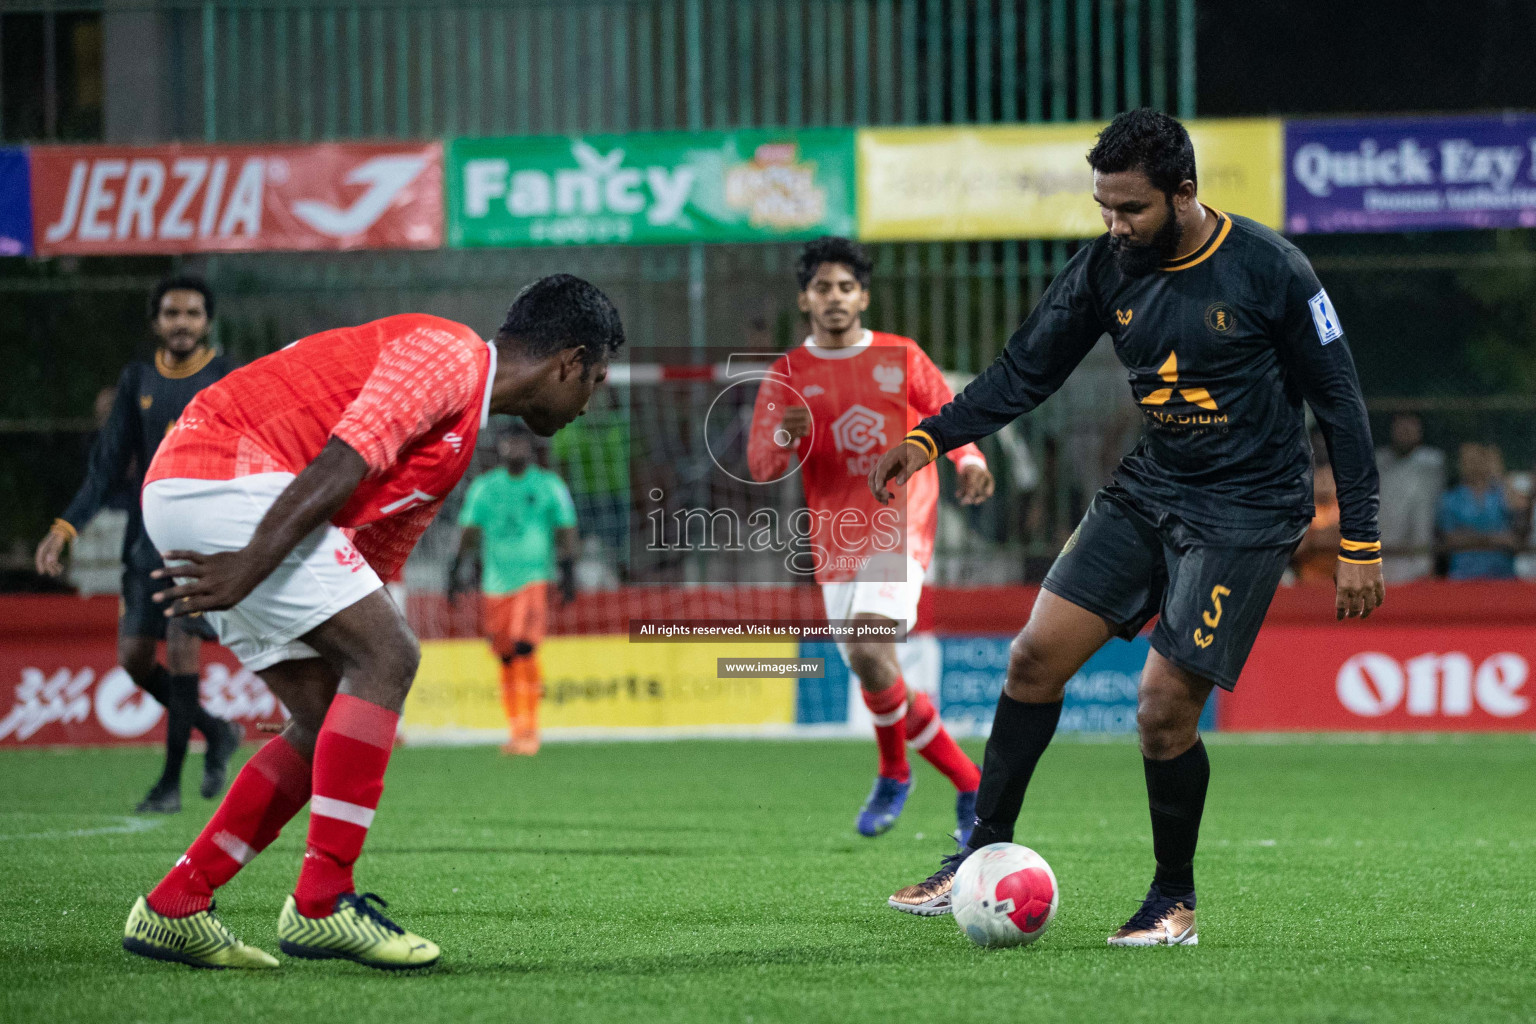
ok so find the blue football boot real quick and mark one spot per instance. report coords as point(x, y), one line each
point(965, 816)
point(883, 807)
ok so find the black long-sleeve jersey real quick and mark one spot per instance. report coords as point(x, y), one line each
point(149, 399)
point(1221, 347)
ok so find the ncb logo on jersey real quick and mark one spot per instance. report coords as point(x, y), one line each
point(1324, 319)
point(858, 430)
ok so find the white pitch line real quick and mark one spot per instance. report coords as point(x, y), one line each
point(125, 826)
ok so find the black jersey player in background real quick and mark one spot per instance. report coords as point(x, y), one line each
point(150, 396)
point(1224, 330)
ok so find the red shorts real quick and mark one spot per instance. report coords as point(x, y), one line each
point(518, 617)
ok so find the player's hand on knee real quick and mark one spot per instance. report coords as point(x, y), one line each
point(212, 583)
point(895, 468)
point(1358, 590)
point(976, 485)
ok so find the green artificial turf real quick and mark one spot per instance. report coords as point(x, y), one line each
point(723, 881)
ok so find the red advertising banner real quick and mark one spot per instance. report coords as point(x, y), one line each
point(118, 200)
point(1386, 679)
point(60, 682)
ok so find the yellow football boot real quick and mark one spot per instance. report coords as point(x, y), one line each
point(199, 940)
point(356, 930)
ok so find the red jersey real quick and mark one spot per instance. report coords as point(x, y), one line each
point(863, 399)
point(409, 393)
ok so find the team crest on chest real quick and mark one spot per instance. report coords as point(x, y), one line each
point(145, 401)
point(1219, 317)
point(889, 377)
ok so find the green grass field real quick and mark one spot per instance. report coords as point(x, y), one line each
point(723, 881)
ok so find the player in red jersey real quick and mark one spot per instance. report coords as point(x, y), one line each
point(828, 407)
point(281, 498)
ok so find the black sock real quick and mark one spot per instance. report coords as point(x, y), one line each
point(204, 721)
point(157, 684)
point(1176, 796)
point(181, 712)
point(1020, 734)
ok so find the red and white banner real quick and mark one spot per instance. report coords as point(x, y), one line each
point(60, 682)
point(117, 200)
point(1386, 679)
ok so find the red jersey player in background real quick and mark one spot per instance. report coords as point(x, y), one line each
point(280, 500)
point(831, 404)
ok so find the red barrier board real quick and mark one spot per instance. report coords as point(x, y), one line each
point(1438, 657)
point(60, 683)
point(1363, 677)
point(116, 200)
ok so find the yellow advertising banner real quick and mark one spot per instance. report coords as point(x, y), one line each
point(601, 683)
point(1032, 181)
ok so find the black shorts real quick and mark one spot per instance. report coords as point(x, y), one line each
point(1210, 585)
point(139, 615)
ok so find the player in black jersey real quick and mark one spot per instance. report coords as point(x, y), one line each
point(1224, 330)
point(149, 399)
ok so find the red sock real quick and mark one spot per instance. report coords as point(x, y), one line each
point(889, 707)
point(926, 735)
point(268, 792)
point(351, 754)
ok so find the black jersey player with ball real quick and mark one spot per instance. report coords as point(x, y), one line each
point(1224, 331)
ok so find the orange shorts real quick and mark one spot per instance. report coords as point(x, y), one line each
point(521, 616)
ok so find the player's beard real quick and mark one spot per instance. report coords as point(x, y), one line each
point(1140, 259)
point(182, 343)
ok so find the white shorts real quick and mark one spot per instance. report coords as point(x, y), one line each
point(319, 578)
point(894, 599)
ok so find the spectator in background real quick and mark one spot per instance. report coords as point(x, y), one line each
point(1412, 479)
point(592, 456)
point(1318, 553)
point(1477, 528)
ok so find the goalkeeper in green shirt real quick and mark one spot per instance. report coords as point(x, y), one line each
point(518, 518)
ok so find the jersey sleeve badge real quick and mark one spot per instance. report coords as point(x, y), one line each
point(1324, 319)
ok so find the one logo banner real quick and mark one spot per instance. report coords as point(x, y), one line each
point(1387, 679)
point(100, 200)
point(651, 188)
point(15, 214)
point(1033, 181)
point(1410, 174)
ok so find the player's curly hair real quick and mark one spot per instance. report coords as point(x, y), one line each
point(559, 312)
point(179, 283)
point(832, 249)
point(1149, 141)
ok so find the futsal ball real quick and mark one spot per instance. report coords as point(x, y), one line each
point(1004, 895)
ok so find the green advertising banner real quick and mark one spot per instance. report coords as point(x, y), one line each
point(744, 186)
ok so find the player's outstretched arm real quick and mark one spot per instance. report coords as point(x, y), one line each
point(929, 393)
point(219, 581)
point(895, 468)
